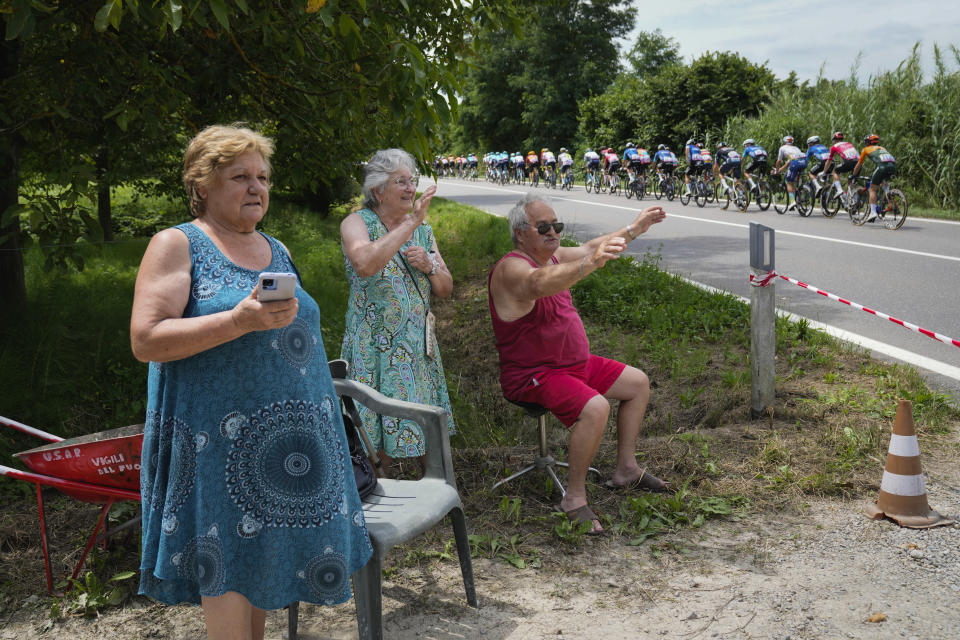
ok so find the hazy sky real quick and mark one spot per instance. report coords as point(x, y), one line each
point(802, 36)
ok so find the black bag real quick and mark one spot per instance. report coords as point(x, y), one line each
point(362, 468)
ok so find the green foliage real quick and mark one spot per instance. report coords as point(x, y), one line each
point(89, 596)
point(652, 52)
point(915, 119)
point(526, 87)
point(645, 516)
point(677, 102)
point(506, 549)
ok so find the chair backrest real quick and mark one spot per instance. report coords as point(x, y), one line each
point(433, 421)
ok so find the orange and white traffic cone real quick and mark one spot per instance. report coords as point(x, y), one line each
point(903, 492)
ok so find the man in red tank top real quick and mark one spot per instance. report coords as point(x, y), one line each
point(544, 352)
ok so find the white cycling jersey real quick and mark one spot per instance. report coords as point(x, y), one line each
point(789, 153)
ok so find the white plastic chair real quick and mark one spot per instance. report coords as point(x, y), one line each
point(400, 510)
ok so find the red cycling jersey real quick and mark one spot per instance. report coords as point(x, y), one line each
point(845, 150)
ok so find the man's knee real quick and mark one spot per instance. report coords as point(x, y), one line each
point(632, 383)
point(595, 413)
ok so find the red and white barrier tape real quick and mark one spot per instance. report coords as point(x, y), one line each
point(907, 325)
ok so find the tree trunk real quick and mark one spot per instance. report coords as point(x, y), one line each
point(13, 285)
point(103, 193)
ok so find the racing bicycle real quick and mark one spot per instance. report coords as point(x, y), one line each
point(893, 203)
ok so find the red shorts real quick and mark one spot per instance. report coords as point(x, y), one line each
point(565, 392)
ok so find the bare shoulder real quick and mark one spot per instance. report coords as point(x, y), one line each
point(169, 247)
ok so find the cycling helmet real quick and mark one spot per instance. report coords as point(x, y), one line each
point(749, 142)
point(721, 145)
point(531, 152)
point(661, 147)
point(838, 136)
point(666, 147)
point(630, 145)
point(691, 141)
point(787, 139)
point(812, 140)
point(563, 149)
point(544, 149)
point(871, 139)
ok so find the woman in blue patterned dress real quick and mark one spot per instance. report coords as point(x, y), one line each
point(394, 266)
point(248, 495)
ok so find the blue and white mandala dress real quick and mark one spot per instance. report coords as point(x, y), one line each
point(246, 480)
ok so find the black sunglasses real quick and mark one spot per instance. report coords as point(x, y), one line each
point(544, 227)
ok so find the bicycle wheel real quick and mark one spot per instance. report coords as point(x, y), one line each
point(781, 199)
point(741, 197)
point(764, 197)
point(685, 197)
point(670, 189)
point(628, 189)
point(829, 202)
point(894, 211)
point(719, 191)
point(804, 201)
point(588, 183)
point(657, 189)
point(700, 193)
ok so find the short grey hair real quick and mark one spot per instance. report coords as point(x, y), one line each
point(518, 214)
point(378, 170)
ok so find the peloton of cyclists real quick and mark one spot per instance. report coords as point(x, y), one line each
point(794, 161)
point(694, 162)
point(757, 157)
point(848, 156)
point(886, 167)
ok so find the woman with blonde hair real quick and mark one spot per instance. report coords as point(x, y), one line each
point(248, 495)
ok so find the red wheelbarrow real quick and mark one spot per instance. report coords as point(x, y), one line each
point(100, 468)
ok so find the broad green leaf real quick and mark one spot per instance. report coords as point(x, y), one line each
point(102, 20)
point(221, 13)
point(347, 26)
point(21, 14)
point(243, 6)
point(174, 12)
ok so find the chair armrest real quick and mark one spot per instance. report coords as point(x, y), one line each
point(433, 421)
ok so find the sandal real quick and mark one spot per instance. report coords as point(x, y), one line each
point(646, 481)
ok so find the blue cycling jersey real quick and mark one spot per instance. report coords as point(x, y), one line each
point(631, 154)
point(665, 156)
point(756, 152)
point(693, 153)
point(817, 153)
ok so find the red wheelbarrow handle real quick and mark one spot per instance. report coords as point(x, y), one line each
point(36, 433)
point(60, 483)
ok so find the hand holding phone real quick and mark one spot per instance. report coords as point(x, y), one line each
point(274, 285)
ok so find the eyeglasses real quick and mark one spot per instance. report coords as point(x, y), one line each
point(543, 228)
point(403, 183)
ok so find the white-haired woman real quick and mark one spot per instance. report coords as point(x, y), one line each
point(394, 266)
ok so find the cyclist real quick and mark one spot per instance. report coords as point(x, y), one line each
point(566, 162)
point(644, 163)
point(792, 159)
point(503, 164)
point(548, 161)
point(591, 160)
point(707, 158)
point(665, 162)
point(694, 162)
point(631, 160)
point(757, 157)
point(886, 167)
point(817, 155)
point(728, 162)
point(532, 161)
point(518, 167)
point(848, 155)
point(611, 163)
point(472, 162)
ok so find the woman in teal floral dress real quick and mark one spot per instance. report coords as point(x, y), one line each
point(248, 494)
point(394, 266)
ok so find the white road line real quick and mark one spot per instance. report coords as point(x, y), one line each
point(797, 234)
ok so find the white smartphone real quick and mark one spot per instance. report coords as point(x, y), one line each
point(276, 286)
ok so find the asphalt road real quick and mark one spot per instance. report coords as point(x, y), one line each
point(910, 274)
